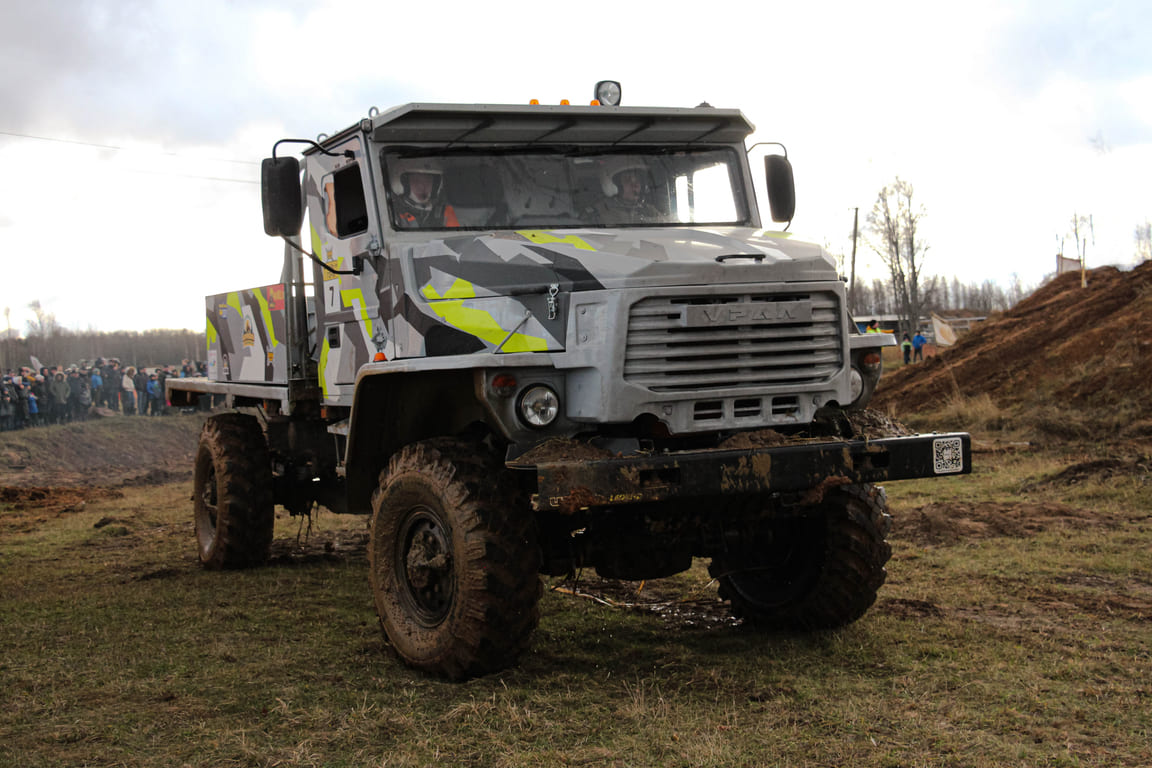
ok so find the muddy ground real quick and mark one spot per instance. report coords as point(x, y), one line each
point(54, 487)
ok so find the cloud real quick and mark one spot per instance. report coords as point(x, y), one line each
point(1085, 39)
point(1095, 55)
point(134, 69)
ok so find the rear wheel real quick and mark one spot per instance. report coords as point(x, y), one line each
point(232, 493)
point(820, 570)
point(453, 560)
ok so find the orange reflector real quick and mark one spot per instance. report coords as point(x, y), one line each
point(534, 102)
point(564, 102)
point(595, 102)
point(379, 358)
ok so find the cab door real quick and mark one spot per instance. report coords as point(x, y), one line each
point(345, 232)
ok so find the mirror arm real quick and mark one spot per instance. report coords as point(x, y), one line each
point(346, 153)
point(767, 144)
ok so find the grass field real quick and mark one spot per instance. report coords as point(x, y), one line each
point(1015, 629)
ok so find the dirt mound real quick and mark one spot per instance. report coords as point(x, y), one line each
point(952, 523)
point(53, 499)
point(26, 509)
point(1082, 349)
point(1097, 470)
point(105, 452)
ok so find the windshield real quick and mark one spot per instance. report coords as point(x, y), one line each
point(556, 188)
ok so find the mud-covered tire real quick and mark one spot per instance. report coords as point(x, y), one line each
point(453, 560)
point(820, 570)
point(232, 493)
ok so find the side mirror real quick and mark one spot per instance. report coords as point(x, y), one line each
point(781, 187)
point(280, 196)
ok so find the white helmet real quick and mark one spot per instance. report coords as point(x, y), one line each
point(427, 166)
point(616, 166)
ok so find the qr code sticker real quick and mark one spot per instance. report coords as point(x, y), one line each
point(948, 455)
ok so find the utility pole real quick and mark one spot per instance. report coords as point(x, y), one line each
point(8, 338)
point(852, 278)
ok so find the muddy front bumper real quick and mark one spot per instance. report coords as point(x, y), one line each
point(568, 485)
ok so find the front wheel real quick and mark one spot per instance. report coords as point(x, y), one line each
point(818, 570)
point(232, 493)
point(453, 560)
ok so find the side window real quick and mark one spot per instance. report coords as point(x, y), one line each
point(705, 195)
point(346, 210)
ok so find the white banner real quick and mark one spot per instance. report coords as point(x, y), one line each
point(945, 333)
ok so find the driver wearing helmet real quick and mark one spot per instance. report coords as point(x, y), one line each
point(417, 184)
point(626, 187)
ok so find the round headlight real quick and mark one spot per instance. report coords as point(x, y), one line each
point(539, 406)
point(856, 384)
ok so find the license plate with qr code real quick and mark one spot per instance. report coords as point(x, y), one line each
point(947, 455)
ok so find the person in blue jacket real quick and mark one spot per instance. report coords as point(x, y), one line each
point(918, 342)
point(155, 395)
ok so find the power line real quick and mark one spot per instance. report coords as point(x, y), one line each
point(195, 176)
point(62, 141)
point(115, 148)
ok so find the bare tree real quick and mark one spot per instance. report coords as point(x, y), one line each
point(939, 294)
point(873, 298)
point(1144, 241)
point(894, 224)
point(45, 325)
point(934, 292)
point(1081, 228)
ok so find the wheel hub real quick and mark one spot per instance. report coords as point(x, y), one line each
point(206, 521)
point(425, 566)
point(427, 561)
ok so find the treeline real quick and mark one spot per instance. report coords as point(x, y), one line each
point(940, 295)
point(136, 348)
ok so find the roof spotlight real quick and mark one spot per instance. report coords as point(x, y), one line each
point(608, 93)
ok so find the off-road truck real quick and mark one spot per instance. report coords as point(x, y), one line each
point(538, 339)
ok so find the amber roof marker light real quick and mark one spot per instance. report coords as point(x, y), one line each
point(608, 93)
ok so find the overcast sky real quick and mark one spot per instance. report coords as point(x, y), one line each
point(131, 130)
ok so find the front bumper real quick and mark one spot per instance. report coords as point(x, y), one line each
point(568, 485)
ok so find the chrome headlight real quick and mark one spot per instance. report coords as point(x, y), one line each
point(539, 406)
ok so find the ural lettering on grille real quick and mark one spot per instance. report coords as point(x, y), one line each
point(747, 313)
point(700, 343)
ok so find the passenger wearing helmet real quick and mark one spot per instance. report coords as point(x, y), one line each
point(626, 187)
point(417, 186)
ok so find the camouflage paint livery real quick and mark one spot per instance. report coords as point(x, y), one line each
point(247, 336)
point(572, 294)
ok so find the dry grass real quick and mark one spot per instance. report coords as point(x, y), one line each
point(1013, 630)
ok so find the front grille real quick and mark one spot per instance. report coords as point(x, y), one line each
point(683, 344)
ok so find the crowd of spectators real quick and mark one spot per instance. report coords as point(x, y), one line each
point(58, 394)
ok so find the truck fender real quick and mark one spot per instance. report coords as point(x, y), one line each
point(391, 410)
